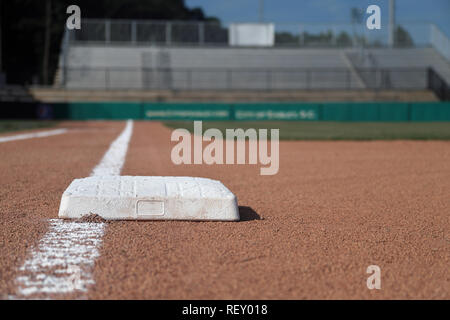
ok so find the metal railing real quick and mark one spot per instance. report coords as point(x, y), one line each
point(438, 85)
point(245, 79)
point(150, 32)
point(195, 33)
point(440, 42)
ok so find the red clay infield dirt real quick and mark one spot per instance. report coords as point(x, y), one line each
point(309, 232)
point(34, 173)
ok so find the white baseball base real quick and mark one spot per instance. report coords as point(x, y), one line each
point(149, 198)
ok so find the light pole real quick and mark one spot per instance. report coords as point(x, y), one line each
point(391, 23)
point(261, 11)
point(47, 39)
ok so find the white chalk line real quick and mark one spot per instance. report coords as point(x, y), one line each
point(63, 261)
point(114, 158)
point(40, 134)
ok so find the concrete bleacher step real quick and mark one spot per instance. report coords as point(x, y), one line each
point(63, 95)
point(57, 78)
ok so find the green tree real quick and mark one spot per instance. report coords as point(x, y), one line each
point(403, 38)
point(286, 38)
point(322, 38)
point(357, 15)
point(24, 27)
point(344, 40)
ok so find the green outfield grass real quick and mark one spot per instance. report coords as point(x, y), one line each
point(296, 130)
point(16, 125)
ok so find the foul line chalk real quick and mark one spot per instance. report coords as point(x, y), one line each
point(63, 261)
point(114, 158)
point(41, 134)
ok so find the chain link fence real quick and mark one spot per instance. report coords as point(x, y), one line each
point(216, 33)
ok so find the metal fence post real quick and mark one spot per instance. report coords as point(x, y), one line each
point(379, 74)
point(65, 48)
point(168, 33)
point(334, 36)
point(269, 80)
point(349, 79)
point(301, 39)
point(107, 31)
point(201, 33)
point(308, 79)
point(107, 78)
point(431, 36)
point(133, 31)
point(190, 79)
point(429, 78)
point(382, 79)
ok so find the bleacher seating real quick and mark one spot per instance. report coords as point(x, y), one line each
point(226, 68)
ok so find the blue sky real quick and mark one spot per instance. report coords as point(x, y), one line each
point(436, 11)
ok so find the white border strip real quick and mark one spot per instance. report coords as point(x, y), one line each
point(63, 261)
point(40, 134)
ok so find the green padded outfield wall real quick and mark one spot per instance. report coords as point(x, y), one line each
point(98, 111)
point(368, 111)
point(430, 112)
point(358, 111)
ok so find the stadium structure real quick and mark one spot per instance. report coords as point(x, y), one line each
point(200, 56)
point(179, 61)
point(351, 199)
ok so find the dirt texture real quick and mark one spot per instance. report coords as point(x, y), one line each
point(34, 174)
point(309, 232)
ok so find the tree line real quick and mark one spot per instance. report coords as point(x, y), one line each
point(31, 31)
